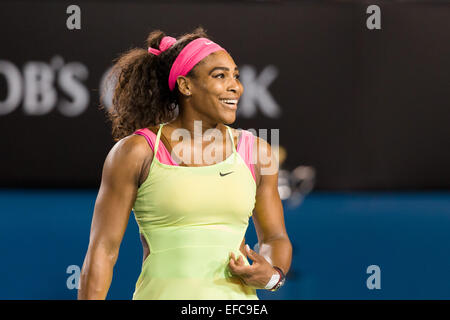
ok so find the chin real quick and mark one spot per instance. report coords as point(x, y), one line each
point(229, 118)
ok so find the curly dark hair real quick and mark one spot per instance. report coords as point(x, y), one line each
point(142, 97)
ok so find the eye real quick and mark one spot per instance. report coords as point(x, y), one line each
point(237, 76)
point(220, 75)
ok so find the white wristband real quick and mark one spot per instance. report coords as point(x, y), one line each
point(273, 281)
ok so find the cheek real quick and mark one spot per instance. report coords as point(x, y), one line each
point(210, 88)
point(217, 88)
point(215, 92)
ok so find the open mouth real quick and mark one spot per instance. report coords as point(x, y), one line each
point(230, 103)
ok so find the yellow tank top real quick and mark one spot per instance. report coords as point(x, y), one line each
point(192, 218)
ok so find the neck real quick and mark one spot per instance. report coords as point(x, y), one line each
point(197, 124)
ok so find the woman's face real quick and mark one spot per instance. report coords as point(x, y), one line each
point(216, 88)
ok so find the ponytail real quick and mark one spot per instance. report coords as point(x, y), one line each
point(142, 97)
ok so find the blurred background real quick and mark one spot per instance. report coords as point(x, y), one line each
point(363, 117)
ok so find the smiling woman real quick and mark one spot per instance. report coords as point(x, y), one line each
point(192, 211)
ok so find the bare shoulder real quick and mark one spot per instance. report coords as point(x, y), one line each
point(262, 146)
point(265, 156)
point(133, 148)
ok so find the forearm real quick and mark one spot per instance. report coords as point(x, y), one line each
point(278, 252)
point(96, 276)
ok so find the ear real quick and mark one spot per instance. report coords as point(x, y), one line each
point(184, 86)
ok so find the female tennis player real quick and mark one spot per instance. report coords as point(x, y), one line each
point(192, 211)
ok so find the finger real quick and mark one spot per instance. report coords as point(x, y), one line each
point(252, 254)
point(233, 258)
point(241, 271)
point(232, 266)
point(236, 261)
point(235, 266)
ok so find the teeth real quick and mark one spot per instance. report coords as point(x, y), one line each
point(229, 101)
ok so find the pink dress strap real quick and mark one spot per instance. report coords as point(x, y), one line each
point(245, 149)
point(163, 154)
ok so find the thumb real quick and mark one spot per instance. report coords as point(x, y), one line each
point(250, 253)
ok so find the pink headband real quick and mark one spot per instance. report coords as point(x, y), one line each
point(192, 54)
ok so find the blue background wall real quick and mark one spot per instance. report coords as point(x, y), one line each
point(335, 236)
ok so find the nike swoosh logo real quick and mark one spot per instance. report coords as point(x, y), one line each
point(224, 174)
point(208, 42)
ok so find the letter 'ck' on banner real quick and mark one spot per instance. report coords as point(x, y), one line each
point(257, 93)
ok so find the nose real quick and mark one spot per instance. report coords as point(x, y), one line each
point(234, 86)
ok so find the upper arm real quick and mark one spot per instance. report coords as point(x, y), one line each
point(117, 193)
point(268, 216)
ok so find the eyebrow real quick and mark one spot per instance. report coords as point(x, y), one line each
point(222, 68)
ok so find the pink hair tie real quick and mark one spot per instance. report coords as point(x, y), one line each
point(164, 44)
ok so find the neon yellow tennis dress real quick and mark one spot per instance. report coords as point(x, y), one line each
point(192, 218)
